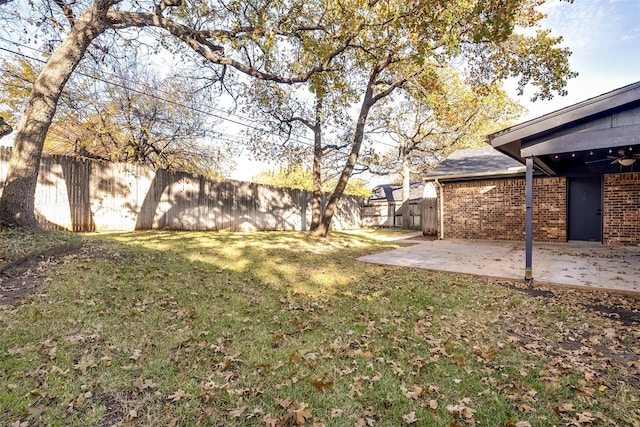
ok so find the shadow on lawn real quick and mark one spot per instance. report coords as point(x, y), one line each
point(282, 260)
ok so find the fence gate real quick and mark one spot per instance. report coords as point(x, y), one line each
point(429, 216)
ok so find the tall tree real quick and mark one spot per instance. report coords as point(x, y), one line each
point(140, 117)
point(247, 36)
point(410, 41)
point(398, 42)
point(293, 112)
point(428, 123)
point(130, 115)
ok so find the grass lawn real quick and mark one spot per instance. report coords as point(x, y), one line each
point(17, 244)
point(281, 329)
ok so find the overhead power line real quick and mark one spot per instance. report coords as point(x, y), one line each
point(159, 98)
point(239, 120)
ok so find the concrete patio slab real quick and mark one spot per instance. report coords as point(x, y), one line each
point(574, 264)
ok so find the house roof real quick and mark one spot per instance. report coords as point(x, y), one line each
point(609, 122)
point(473, 163)
point(393, 192)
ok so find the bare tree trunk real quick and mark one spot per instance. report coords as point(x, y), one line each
point(332, 203)
point(316, 203)
point(18, 196)
point(406, 190)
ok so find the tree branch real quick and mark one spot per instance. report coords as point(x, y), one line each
point(5, 128)
point(66, 9)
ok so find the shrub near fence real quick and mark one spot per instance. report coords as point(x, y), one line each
point(90, 195)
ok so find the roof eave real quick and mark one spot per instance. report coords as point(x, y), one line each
point(561, 118)
point(473, 176)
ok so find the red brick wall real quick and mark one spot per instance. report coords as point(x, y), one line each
point(495, 209)
point(622, 209)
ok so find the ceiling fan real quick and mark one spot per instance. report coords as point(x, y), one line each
point(623, 159)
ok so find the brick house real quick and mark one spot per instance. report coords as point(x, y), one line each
point(571, 175)
point(484, 198)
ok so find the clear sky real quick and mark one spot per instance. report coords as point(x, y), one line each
point(604, 36)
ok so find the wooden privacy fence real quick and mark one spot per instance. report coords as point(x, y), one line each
point(389, 214)
point(90, 195)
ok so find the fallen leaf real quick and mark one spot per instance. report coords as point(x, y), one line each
point(302, 413)
point(135, 355)
point(270, 421)
point(36, 411)
point(356, 386)
point(322, 383)
point(177, 395)
point(585, 417)
point(336, 413)
point(132, 415)
point(526, 408)
point(415, 393)
point(235, 413)
point(86, 362)
point(634, 364)
point(410, 418)
point(38, 392)
point(565, 407)
point(57, 370)
point(285, 403)
point(79, 401)
point(142, 385)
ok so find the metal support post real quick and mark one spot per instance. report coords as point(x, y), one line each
point(528, 271)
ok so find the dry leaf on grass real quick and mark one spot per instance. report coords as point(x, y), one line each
point(235, 413)
point(178, 395)
point(410, 418)
point(142, 385)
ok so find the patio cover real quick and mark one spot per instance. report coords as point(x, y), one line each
point(597, 136)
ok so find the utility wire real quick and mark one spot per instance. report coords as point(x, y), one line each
point(152, 96)
point(241, 121)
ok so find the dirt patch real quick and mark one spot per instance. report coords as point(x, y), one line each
point(529, 290)
point(626, 310)
point(25, 277)
point(625, 316)
point(115, 408)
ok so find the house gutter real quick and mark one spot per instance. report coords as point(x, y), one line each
point(441, 188)
point(481, 175)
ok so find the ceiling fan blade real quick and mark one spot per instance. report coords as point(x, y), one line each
point(598, 161)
